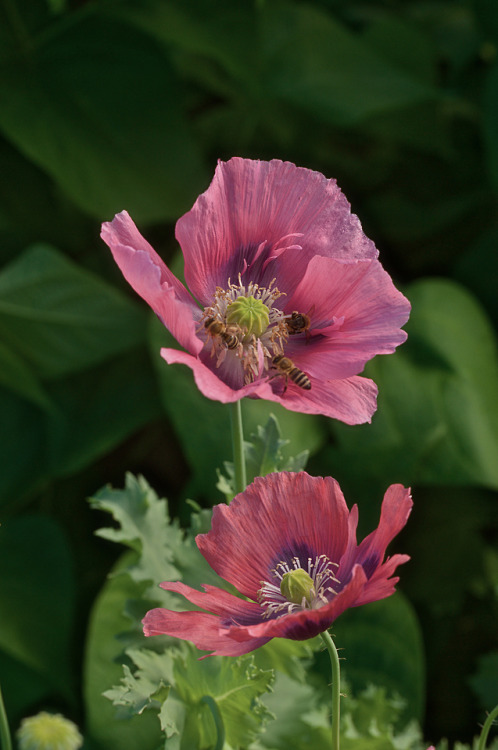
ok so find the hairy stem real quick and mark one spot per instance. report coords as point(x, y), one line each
point(487, 726)
point(336, 688)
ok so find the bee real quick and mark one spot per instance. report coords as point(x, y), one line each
point(216, 327)
point(288, 369)
point(299, 323)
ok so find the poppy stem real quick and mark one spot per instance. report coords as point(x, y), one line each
point(336, 688)
point(487, 726)
point(239, 459)
point(5, 741)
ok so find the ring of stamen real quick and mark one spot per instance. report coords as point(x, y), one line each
point(269, 343)
point(321, 572)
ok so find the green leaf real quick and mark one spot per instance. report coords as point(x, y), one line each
point(37, 585)
point(147, 687)
point(485, 680)
point(144, 526)
point(104, 661)
point(263, 455)
point(97, 409)
point(202, 426)
point(236, 685)
point(60, 318)
point(165, 552)
point(382, 644)
point(369, 722)
point(220, 34)
point(21, 424)
point(17, 376)
point(98, 107)
point(437, 418)
point(315, 63)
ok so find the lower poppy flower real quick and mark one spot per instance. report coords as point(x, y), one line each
point(288, 545)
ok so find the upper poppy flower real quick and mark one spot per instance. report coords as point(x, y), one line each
point(287, 544)
point(291, 299)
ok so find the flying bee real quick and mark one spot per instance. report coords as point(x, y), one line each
point(288, 369)
point(216, 327)
point(299, 323)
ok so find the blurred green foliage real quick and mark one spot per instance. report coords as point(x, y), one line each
point(115, 104)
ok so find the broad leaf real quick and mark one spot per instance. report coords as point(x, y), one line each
point(305, 62)
point(60, 318)
point(437, 418)
point(37, 598)
point(97, 106)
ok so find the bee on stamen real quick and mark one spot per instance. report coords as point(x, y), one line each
point(216, 328)
point(299, 323)
point(288, 369)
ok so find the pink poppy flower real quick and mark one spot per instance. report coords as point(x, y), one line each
point(289, 300)
point(288, 545)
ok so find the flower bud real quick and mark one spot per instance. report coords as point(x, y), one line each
point(297, 585)
point(48, 732)
point(248, 313)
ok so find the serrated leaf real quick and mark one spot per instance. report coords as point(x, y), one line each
point(264, 454)
point(147, 687)
point(145, 526)
point(236, 685)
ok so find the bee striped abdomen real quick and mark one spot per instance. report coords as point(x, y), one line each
point(288, 369)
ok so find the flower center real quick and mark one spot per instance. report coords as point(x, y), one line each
point(250, 314)
point(245, 328)
point(297, 588)
point(297, 585)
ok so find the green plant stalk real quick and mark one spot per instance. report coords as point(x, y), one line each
point(336, 688)
point(239, 459)
point(487, 726)
point(218, 721)
point(5, 741)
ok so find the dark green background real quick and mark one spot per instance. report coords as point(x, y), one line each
point(113, 105)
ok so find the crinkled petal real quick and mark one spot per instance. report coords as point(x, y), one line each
point(382, 583)
point(371, 308)
point(253, 202)
point(396, 507)
point(153, 281)
point(352, 400)
point(209, 382)
point(276, 518)
point(201, 628)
